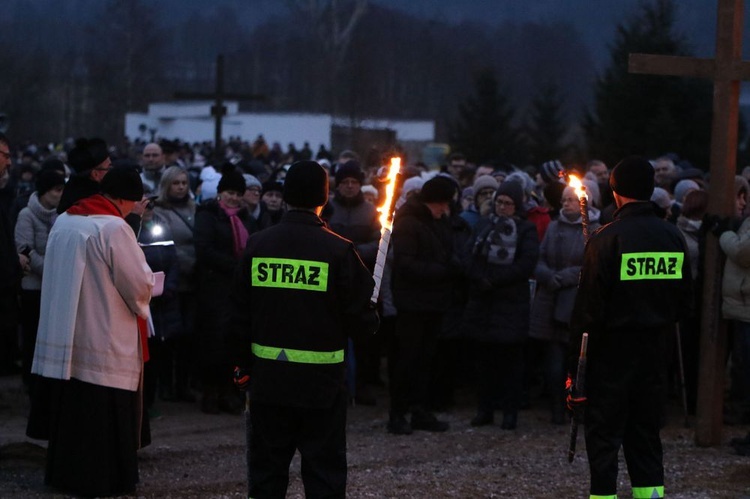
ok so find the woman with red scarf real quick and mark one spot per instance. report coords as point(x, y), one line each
point(222, 227)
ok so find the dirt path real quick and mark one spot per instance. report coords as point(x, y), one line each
point(201, 456)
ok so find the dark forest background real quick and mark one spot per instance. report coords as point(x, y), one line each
point(74, 68)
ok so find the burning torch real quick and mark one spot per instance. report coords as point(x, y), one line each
point(580, 190)
point(386, 210)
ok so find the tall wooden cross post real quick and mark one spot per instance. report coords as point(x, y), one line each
point(218, 109)
point(726, 70)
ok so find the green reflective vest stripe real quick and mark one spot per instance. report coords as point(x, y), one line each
point(651, 265)
point(648, 492)
point(298, 356)
point(594, 496)
point(288, 273)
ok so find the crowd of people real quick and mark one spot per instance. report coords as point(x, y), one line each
point(478, 290)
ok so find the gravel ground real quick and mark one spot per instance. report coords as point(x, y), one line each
point(201, 456)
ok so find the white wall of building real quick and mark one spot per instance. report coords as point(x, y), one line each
point(287, 128)
point(192, 122)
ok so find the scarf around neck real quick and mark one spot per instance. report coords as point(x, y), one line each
point(497, 243)
point(94, 205)
point(239, 232)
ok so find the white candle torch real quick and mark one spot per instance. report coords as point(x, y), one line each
point(580, 190)
point(386, 225)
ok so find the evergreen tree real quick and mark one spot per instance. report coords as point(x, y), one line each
point(546, 127)
point(485, 130)
point(647, 114)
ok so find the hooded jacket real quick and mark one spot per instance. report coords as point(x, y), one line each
point(735, 285)
point(32, 229)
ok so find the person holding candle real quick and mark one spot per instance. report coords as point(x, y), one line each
point(560, 258)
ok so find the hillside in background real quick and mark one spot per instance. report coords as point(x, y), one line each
point(75, 67)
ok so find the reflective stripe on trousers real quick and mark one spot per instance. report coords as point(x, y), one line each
point(298, 356)
point(656, 492)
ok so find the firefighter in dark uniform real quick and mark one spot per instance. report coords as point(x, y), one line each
point(634, 285)
point(299, 292)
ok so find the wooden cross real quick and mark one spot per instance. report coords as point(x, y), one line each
point(726, 70)
point(218, 110)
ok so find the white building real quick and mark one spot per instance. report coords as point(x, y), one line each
point(192, 122)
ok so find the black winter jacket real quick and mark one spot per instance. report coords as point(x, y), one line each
point(298, 293)
point(635, 277)
point(215, 263)
point(165, 309)
point(499, 296)
point(356, 220)
point(424, 261)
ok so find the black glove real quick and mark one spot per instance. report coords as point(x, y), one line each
point(718, 225)
point(241, 378)
point(371, 320)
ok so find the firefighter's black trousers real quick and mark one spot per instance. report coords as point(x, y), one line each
point(624, 388)
point(319, 434)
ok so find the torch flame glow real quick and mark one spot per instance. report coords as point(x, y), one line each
point(577, 185)
point(386, 219)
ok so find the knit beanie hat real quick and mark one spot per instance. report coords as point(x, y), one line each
point(251, 181)
point(306, 185)
point(553, 193)
point(682, 187)
point(273, 186)
point(232, 181)
point(633, 177)
point(593, 192)
point(350, 169)
point(438, 190)
point(550, 171)
point(369, 189)
point(484, 182)
point(523, 179)
point(514, 191)
point(46, 180)
point(123, 183)
point(412, 184)
point(87, 154)
point(53, 164)
point(661, 198)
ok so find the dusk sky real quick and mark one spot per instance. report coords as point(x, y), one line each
point(594, 20)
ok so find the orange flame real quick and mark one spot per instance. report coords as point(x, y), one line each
point(386, 218)
point(577, 185)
